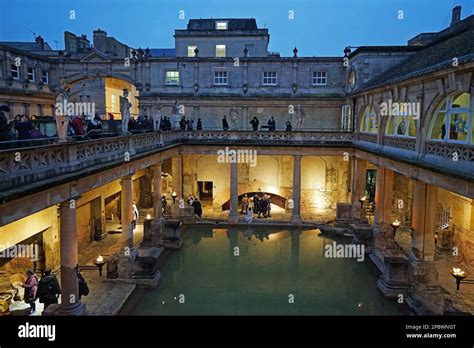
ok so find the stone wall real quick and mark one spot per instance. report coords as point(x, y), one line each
point(462, 219)
point(324, 179)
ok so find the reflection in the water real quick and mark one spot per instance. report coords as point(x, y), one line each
point(239, 271)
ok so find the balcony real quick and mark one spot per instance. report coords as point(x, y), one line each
point(26, 165)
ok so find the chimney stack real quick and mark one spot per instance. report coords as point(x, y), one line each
point(456, 18)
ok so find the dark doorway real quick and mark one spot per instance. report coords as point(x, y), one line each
point(370, 184)
point(205, 190)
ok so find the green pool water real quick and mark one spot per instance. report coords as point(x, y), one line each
point(273, 268)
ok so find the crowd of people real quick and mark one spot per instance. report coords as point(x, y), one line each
point(22, 127)
point(47, 289)
point(259, 204)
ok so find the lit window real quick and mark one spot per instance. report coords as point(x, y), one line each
point(453, 120)
point(45, 77)
point(31, 74)
point(346, 117)
point(15, 72)
point(220, 51)
point(319, 78)
point(369, 121)
point(220, 78)
point(172, 77)
point(401, 126)
point(221, 25)
point(269, 78)
point(191, 50)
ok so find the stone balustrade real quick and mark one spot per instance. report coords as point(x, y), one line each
point(28, 165)
point(456, 152)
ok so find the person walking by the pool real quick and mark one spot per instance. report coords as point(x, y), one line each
point(256, 204)
point(244, 204)
point(82, 285)
point(263, 206)
point(163, 204)
point(249, 215)
point(269, 206)
point(48, 288)
point(197, 207)
point(135, 215)
point(31, 286)
point(190, 200)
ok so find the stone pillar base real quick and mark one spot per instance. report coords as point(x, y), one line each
point(423, 275)
point(152, 233)
point(296, 220)
point(394, 280)
point(233, 217)
point(363, 234)
point(444, 241)
point(171, 235)
point(139, 268)
point(55, 309)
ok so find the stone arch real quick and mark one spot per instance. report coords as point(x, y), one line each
point(78, 77)
point(275, 199)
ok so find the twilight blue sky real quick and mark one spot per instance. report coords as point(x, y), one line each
point(319, 27)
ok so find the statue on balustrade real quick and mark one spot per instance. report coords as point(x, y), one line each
point(234, 115)
point(125, 106)
point(300, 116)
point(157, 116)
point(61, 117)
point(176, 115)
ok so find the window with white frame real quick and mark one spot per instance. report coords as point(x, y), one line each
point(319, 78)
point(346, 117)
point(220, 77)
point(45, 77)
point(31, 74)
point(172, 77)
point(15, 72)
point(401, 126)
point(221, 25)
point(220, 51)
point(191, 50)
point(269, 78)
point(453, 120)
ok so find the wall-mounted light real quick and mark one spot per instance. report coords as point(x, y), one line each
point(395, 224)
point(460, 277)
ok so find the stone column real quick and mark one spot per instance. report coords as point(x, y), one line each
point(157, 208)
point(358, 175)
point(296, 217)
point(176, 170)
point(127, 211)
point(234, 192)
point(423, 274)
point(245, 117)
point(383, 206)
point(425, 199)
point(70, 303)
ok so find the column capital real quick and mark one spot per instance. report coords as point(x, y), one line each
point(126, 177)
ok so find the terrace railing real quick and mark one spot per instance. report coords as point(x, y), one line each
point(32, 161)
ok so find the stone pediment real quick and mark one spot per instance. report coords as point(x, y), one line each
point(96, 57)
